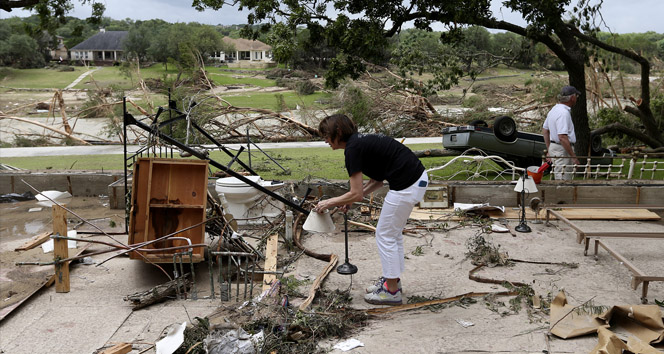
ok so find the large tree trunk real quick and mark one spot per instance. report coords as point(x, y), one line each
point(575, 61)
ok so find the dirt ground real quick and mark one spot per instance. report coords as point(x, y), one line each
point(94, 315)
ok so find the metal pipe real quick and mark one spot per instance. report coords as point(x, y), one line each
point(129, 119)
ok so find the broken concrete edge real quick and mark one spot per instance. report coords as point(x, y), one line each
point(111, 183)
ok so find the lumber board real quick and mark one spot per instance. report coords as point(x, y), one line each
point(270, 261)
point(34, 242)
point(121, 348)
point(60, 249)
point(571, 214)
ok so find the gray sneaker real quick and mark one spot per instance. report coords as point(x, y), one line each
point(379, 284)
point(383, 297)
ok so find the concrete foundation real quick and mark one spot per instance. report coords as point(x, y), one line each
point(82, 183)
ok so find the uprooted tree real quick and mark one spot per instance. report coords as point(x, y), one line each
point(360, 28)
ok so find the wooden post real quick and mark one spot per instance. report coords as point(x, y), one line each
point(60, 250)
point(270, 261)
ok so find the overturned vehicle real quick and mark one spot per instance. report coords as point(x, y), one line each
point(502, 139)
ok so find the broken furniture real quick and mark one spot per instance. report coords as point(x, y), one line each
point(168, 197)
point(638, 276)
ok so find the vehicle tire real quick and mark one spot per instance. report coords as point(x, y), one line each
point(596, 145)
point(478, 123)
point(504, 128)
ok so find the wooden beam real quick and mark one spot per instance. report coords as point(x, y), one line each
point(270, 261)
point(60, 250)
point(121, 348)
point(35, 241)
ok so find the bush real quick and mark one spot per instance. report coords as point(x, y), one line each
point(21, 141)
point(305, 87)
point(66, 68)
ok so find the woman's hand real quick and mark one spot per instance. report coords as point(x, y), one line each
point(322, 206)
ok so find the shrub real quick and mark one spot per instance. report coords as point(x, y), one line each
point(305, 87)
point(66, 68)
point(21, 141)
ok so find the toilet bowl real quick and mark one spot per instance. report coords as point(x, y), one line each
point(246, 203)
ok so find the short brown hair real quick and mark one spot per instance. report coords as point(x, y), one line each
point(337, 126)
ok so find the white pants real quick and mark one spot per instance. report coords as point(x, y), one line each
point(562, 163)
point(393, 217)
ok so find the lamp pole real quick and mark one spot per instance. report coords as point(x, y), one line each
point(523, 226)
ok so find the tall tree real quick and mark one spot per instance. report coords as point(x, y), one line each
point(358, 29)
point(52, 12)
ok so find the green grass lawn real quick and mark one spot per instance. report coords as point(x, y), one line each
point(300, 164)
point(40, 78)
point(268, 100)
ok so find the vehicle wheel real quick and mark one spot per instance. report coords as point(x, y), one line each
point(596, 145)
point(478, 123)
point(504, 128)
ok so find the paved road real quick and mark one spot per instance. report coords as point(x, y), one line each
point(118, 149)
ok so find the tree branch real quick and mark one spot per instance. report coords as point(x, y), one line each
point(618, 127)
point(8, 5)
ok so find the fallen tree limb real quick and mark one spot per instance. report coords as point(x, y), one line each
point(436, 153)
point(378, 311)
point(46, 127)
point(319, 279)
point(330, 258)
point(159, 293)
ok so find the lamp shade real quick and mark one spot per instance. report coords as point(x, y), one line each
point(527, 186)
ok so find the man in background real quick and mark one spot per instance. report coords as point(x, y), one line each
point(558, 133)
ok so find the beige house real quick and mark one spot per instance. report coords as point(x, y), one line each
point(60, 51)
point(103, 47)
point(247, 53)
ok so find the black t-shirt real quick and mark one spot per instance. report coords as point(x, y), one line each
point(382, 158)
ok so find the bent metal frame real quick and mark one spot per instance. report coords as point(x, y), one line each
point(638, 276)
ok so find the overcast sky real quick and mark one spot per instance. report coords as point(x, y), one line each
point(622, 16)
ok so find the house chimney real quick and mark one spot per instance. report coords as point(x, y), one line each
point(102, 30)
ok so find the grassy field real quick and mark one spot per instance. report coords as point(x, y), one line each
point(40, 78)
point(299, 163)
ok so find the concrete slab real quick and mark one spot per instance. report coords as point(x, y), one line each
point(94, 313)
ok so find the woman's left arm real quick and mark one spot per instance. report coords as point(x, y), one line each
point(354, 195)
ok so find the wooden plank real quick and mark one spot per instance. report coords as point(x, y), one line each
point(60, 250)
point(270, 261)
point(600, 213)
point(583, 214)
point(35, 241)
point(121, 348)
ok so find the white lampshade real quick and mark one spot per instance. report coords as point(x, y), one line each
point(528, 186)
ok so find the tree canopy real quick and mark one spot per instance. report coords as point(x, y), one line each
point(359, 30)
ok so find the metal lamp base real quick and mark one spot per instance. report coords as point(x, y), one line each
point(523, 227)
point(346, 269)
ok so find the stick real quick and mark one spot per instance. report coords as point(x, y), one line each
point(319, 280)
point(405, 307)
point(570, 311)
point(45, 127)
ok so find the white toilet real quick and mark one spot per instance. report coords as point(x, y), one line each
point(247, 202)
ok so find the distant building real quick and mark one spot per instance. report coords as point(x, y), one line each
point(247, 53)
point(60, 51)
point(105, 46)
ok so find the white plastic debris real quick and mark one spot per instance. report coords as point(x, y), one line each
point(49, 245)
point(172, 341)
point(234, 341)
point(498, 228)
point(464, 323)
point(31, 210)
point(348, 345)
point(59, 197)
